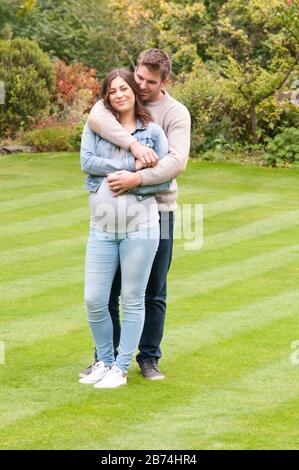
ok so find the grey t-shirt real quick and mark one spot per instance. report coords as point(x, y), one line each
point(124, 213)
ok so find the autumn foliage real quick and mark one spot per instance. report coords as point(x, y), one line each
point(72, 79)
point(76, 90)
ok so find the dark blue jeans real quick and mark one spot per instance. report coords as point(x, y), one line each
point(155, 296)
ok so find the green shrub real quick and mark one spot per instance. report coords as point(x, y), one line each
point(28, 77)
point(237, 153)
point(284, 148)
point(215, 119)
point(75, 138)
point(220, 120)
point(275, 115)
point(50, 139)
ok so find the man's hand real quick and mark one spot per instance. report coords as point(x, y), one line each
point(146, 155)
point(121, 181)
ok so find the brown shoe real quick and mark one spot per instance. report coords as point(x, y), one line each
point(149, 370)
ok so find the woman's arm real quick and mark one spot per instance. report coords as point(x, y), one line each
point(161, 149)
point(93, 164)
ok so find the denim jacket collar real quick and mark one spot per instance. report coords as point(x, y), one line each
point(139, 126)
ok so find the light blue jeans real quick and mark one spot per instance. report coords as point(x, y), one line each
point(135, 252)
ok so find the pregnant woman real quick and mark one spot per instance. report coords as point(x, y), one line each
point(124, 230)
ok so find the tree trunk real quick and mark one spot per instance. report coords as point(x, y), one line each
point(253, 123)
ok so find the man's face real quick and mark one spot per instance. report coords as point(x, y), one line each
point(149, 83)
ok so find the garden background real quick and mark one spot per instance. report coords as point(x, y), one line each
point(231, 344)
point(235, 65)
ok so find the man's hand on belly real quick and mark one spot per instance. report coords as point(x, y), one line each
point(121, 181)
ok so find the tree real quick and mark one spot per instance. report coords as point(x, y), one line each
point(180, 26)
point(12, 12)
point(257, 52)
point(71, 30)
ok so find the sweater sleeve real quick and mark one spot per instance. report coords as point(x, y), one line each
point(102, 122)
point(161, 149)
point(175, 162)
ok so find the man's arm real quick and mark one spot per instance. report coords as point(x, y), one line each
point(122, 181)
point(102, 122)
point(161, 148)
point(175, 162)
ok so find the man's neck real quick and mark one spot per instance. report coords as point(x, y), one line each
point(158, 97)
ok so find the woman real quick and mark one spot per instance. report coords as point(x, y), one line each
point(123, 230)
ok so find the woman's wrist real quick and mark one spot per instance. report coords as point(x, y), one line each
point(138, 165)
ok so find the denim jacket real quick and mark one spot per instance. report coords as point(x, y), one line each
point(97, 157)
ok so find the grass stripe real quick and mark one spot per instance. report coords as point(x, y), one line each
point(210, 211)
point(248, 231)
point(261, 227)
point(201, 282)
point(28, 286)
point(195, 283)
point(256, 229)
point(240, 201)
point(263, 389)
point(41, 198)
point(209, 331)
point(213, 327)
point(36, 224)
point(82, 405)
point(26, 332)
point(13, 182)
point(41, 250)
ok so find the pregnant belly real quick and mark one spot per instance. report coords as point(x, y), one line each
point(122, 213)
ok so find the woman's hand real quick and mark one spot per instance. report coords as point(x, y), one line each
point(146, 155)
point(139, 165)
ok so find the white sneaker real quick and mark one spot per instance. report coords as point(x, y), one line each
point(98, 372)
point(113, 378)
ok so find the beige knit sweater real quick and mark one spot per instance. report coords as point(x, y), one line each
point(175, 120)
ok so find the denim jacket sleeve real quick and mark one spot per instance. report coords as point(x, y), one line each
point(160, 146)
point(98, 165)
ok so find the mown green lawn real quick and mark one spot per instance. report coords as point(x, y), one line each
point(232, 317)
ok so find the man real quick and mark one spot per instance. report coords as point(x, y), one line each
point(151, 74)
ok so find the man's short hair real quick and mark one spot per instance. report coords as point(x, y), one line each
point(155, 59)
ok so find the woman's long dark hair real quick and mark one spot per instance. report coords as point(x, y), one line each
point(141, 112)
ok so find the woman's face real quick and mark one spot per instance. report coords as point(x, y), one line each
point(121, 95)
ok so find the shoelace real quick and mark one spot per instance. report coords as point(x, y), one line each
point(115, 371)
point(151, 365)
point(95, 366)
